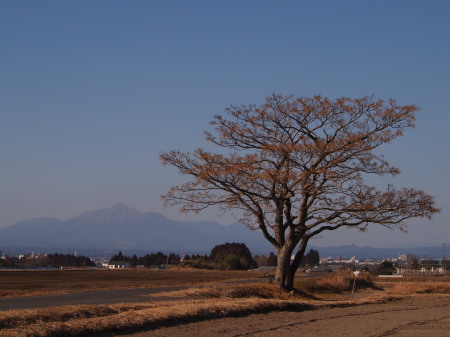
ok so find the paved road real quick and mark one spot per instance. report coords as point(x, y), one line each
point(90, 297)
point(135, 295)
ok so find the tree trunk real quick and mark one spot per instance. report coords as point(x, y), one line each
point(284, 276)
point(299, 255)
point(285, 268)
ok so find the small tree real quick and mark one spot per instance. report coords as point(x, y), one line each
point(311, 259)
point(386, 267)
point(134, 260)
point(261, 260)
point(272, 260)
point(294, 167)
point(232, 256)
point(412, 262)
point(174, 259)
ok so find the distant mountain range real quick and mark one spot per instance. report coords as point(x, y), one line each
point(120, 227)
point(348, 251)
point(125, 228)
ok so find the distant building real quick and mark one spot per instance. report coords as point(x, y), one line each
point(437, 266)
point(118, 265)
point(402, 257)
point(428, 266)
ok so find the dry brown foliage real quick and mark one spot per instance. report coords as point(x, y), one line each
point(294, 167)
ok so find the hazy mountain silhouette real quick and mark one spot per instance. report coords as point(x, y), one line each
point(123, 227)
point(348, 251)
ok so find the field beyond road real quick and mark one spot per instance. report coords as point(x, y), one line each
point(15, 283)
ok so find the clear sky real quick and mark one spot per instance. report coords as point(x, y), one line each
point(92, 91)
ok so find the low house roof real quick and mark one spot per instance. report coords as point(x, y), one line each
point(119, 263)
point(434, 262)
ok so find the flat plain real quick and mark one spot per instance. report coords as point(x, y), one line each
point(225, 304)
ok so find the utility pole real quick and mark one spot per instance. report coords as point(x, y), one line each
point(443, 259)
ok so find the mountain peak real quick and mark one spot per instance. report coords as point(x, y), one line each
point(120, 213)
point(122, 227)
point(120, 206)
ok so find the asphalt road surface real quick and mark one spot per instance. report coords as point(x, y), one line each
point(89, 297)
point(134, 295)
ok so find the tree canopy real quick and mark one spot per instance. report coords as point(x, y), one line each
point(227, 256)
point(311, 259)
point(295, 167)
point(234, 256)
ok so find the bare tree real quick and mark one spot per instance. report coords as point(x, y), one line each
point(294, 167)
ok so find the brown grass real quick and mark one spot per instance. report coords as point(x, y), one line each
point(336, 283)
point(257, 290)
point(415, 284)
point(405, 288)
point(84, 320)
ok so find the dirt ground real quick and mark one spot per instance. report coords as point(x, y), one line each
point(418, 315)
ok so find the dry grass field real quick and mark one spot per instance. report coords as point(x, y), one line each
point(212, 302)
point(15, 283)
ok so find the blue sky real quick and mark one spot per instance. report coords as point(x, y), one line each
point(92, 91)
